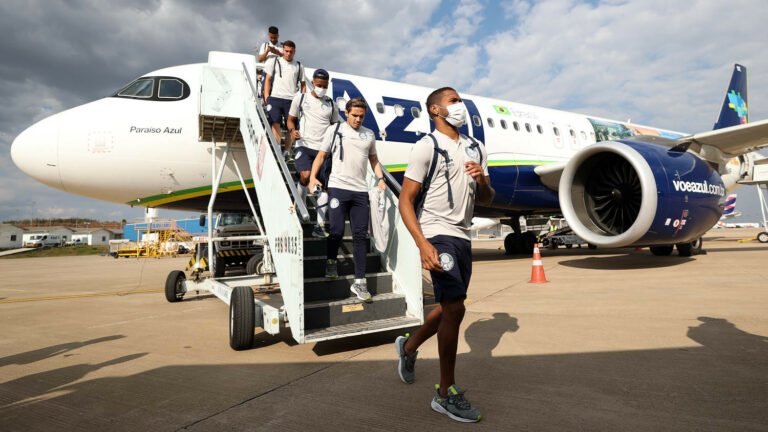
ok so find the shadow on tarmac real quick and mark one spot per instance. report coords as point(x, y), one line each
point(626, 262)
point(720, 385)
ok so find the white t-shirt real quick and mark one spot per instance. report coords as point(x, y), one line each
point(356, 144)
point(316, 115)
point(263, 49)
point(450, 200)
point(286, 77)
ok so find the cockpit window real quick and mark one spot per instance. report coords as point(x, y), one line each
point(171, 89)
point(156, 88)
point(141, 88)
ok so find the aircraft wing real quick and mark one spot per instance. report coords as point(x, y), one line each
point(734, 140)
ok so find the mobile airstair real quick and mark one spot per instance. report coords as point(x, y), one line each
point(291, 291)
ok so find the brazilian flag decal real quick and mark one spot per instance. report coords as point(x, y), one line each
point(501, 109)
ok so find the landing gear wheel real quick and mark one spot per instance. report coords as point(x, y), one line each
point(684, 249)
point(173, 286)
point(255, 264)
point(527, 241)
point(697, 246)
point(242, 316)
point(568, 246)
point(762, 237)
point(591, 246)
point(512, 244)
point(662, 250)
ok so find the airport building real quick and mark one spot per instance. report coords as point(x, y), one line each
point(93, 236)
point(11, 236)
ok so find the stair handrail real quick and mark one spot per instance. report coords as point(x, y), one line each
point(300, 205)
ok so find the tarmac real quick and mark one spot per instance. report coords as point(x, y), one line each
point(617, 340)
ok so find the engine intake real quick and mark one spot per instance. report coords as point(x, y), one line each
point(627, 193)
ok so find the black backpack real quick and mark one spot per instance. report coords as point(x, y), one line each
point(325, 169)
point(418, 202)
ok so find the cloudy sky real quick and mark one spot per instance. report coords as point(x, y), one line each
point(655, 62)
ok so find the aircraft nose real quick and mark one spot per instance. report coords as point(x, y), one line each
point(35, 151)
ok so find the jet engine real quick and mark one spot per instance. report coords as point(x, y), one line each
point(633, 193)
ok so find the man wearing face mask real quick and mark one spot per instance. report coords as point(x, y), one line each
point(447, 172)
point(308, 120)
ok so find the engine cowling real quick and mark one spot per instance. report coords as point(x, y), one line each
point(629, 193)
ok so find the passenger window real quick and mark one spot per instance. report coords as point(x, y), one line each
point(516, 125)
point(573, 134)
point(527, 127)
point(503, 123)
point(341, 102)
point(171, 89)
point(583, 136)
point(141, 88)
point(399, 110)
point(540, 129)
point(490, 122)
point(477, 120)
point(415, 112)
point(380, 107)
point(556, 130)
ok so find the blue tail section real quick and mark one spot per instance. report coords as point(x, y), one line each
point(734, 111)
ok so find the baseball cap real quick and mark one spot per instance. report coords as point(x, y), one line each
point(320, 73)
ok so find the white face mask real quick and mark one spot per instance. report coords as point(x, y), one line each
point(457, 115)
point(320, 92)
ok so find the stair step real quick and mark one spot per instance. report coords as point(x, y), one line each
point(309, 225)
point(319, 289)
point(314, 266)
point(338, 331)
point(352, 310)
point(319, 246)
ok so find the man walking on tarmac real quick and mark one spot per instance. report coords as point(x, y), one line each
point(446, 172)
point(309, 118)
point(352, 147)
point(285, 77)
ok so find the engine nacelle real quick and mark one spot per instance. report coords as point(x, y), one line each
point(629, 193)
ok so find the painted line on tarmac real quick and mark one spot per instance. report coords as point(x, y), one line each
point(79, 296)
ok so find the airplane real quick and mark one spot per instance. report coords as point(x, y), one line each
point(729, 208)
point(616, 183)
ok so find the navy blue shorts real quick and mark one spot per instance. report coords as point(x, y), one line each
point(279, 109)
point(305, 156)
point(455, 255)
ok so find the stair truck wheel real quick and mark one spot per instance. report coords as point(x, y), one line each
point(762, 237)
point(242, 318)
point(219, 266)
point(173, 291)
point(661, 250)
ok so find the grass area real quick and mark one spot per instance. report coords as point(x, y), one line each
point(61, 251)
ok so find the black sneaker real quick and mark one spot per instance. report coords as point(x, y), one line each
point(455, 405)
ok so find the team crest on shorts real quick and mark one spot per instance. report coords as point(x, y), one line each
point(298, 155)
point(473, 153)
point(334, 203)
point(446, 261)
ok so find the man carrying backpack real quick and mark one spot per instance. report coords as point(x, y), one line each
point(446, 172)
point(309, 118)
point(285, 77)
point(351, 147)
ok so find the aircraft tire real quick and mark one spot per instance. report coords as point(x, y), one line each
point(684, 249)
point(762, 237)
point(512, 244)
point(526, 243)
point(662, 250)
point(242, 318)
point(591, 246)
point(173, 292)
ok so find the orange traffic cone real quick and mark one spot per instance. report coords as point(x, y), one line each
point(537, 270)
